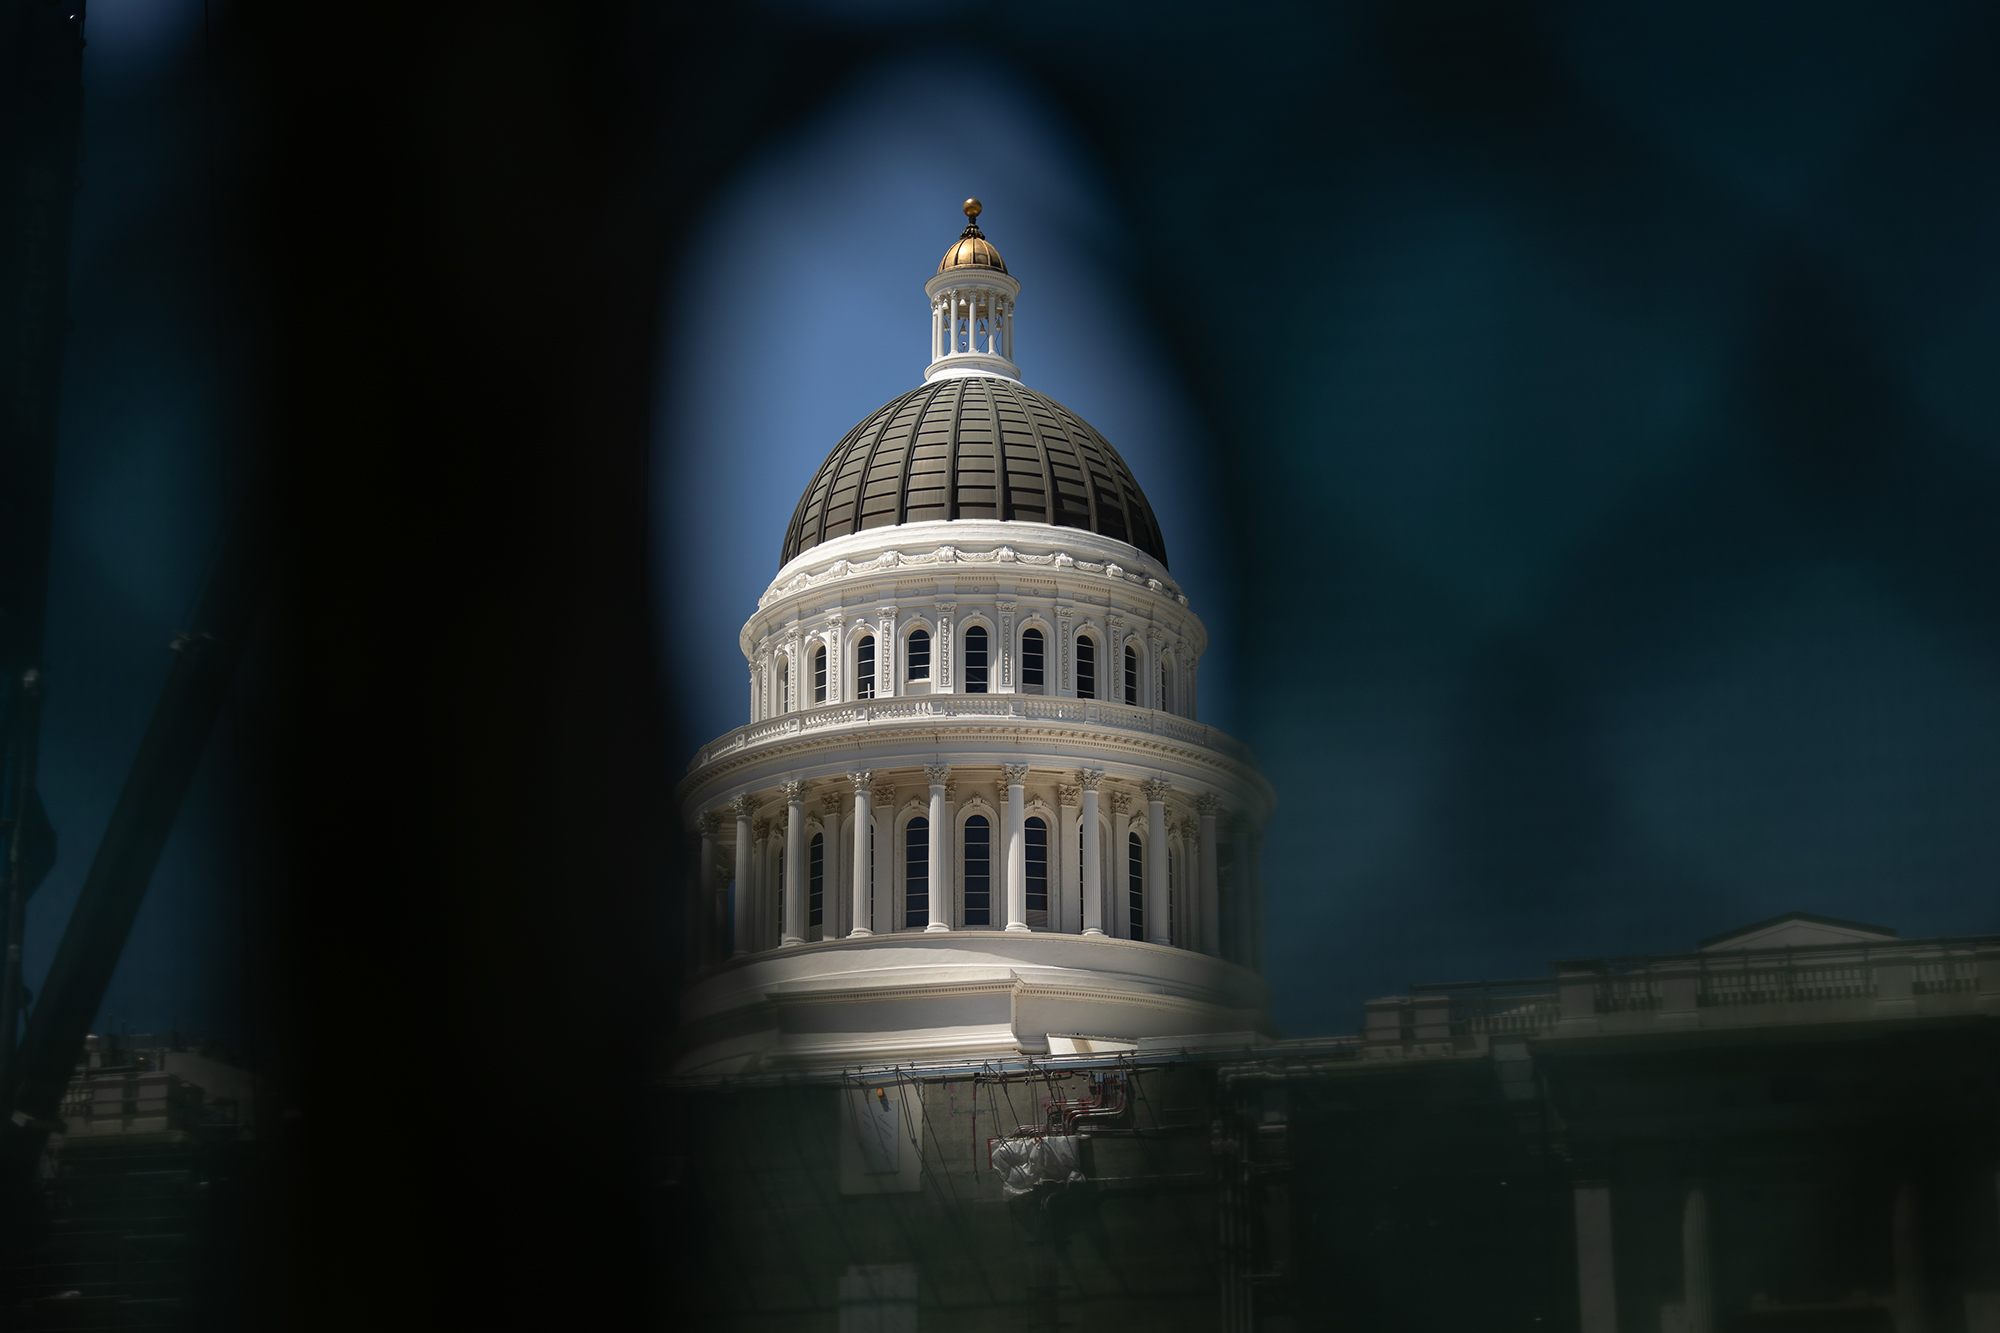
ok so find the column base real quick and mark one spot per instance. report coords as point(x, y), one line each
point(788, 941)
point(859, 933)
point(1092, 932)
point(1018, 928)
point(936, 928)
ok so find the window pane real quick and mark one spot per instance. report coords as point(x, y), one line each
point(978, 872)
point(917, 873)
point(975, 660)
point(864, 668)
point(1031, 658)
point(1132, 676)
point(1086, 669)
point(919, 654)
point(1038, 865)
point(819, 675)
point(816, 880)
point(1135, 885)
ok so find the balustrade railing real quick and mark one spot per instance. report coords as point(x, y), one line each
point(924, 709)
point(1736, 982)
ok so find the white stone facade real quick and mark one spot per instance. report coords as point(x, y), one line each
point(974, 808)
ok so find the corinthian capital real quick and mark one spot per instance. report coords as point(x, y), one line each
point(1088, 778)
point(1157, 789)
point(1015, 774)
point(744, 804)
point(861, 779)
point(937, 773)
point(795, 790)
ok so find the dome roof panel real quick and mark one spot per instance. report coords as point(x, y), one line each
point(975, 446)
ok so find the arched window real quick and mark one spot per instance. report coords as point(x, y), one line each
point(819, 674)
point(917, 655)
point(1135, 885)
point(975, 660)
point(816, 882)
point(1031, 661)
point(978, 872)
point(1162, 673)
point(917, 873)
point(864, 667)
point(1038, 871)
point(1131, 675)
point(784, 684)
point(1086, 667)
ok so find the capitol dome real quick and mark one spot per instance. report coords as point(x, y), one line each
point(973, 814)
point(974, 447)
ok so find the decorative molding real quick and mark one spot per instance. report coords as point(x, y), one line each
point(883, 796)
point(761, 829)
point(1209, 806)
point(1014, 774)
point(951, 792)
point(1068, 794)
point(831, 802)
point(1120, 802)
point(956, 555)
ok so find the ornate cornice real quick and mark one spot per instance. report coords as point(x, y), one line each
point(889, 561)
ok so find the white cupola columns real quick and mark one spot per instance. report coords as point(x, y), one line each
point(972, 323)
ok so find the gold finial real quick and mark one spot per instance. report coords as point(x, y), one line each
point(972, 208)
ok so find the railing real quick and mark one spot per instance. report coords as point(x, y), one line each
point(1649, 985)
point(1786, 983)
point(1497, 1008)
point(928, 709)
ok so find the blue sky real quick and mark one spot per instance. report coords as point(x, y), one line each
point(800, 309)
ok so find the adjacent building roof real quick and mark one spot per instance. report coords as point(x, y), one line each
point(977, 446)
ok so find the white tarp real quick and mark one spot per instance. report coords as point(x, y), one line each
point(1031, 1160)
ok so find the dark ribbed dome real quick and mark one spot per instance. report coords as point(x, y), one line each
point(935, 453)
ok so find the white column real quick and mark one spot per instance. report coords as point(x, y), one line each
point(1066, 915)
point(1209, 935)
point(794, 927)
point(1596, 1288)
point(1017, 848)
point(739, 943)
point(1093, 855)
point(829, 903)
point(1158, 929)
point(864, 825)
point(882, 871)
point(1697, 1289)
point(705, 872)
point(938, 774)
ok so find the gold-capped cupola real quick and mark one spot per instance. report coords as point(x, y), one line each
point(972, 249)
